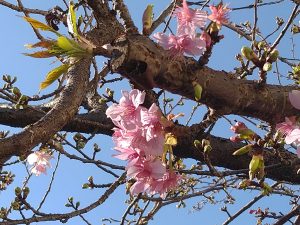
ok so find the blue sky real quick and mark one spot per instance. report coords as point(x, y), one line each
point(72, 174)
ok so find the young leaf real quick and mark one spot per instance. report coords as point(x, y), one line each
point(54, 75)
point(71, 20)
point(42, 44)
point(147, 19)
point(255, 163)
point(64, 43)
point(39, 25)
point(71, 47)
point(243, 150)
point(40, 54)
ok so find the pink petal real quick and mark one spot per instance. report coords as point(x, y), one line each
point(32, 158)
point(294, 97)
point(293, 136)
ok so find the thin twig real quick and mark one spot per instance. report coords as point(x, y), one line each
point(50, 185)
point(287, 25)
point(22, 9)
point(247, 206)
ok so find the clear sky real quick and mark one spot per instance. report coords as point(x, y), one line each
point(71, 174)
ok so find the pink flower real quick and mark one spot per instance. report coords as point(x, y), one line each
point(294, 97)
point(288, 126)
point(189, 19)
point(181, 44)
point(126, 114)
point(40, 161)
point(149, 168)
point(137, 139)
point(151, 122)
point(162, 186)
point(206, 37)
point(235, 139)
point(219, 14)
point(132, 155)
point(140, 186)
point(238, 127)
point(293, 136)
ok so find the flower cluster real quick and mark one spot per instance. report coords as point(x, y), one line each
point(40, 161)
point(186, 40)
point(139, 139)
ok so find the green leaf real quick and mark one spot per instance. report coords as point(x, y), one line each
point(39, 25)
point(64, 43)
point(69, 47)
point(243, 150)
point(197, 91)
point(40, 54)
point(71, 20)
point(54, 75)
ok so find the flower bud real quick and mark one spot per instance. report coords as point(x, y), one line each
point(261, 45)
point(267, 67)
point(273, 56)
point(207, 148)
point(197, 144)
point(18, 191)
point(248, 53)
point(26, 191)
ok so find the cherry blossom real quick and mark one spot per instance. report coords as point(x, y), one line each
point(140, 186)
point(40, 161)
point(126, 114)
point(139, 138)
point(189, 19)
point(291, 130)
point(169, 181)
point(152, 168)
point(219, 14)
point(206, 37)
point(288, 126)
point(151, 122)
point(181, 44)
point(238, 127)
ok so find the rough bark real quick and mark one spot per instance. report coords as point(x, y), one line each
point(146, 63)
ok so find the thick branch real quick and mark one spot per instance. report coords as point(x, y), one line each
point(67, 105)
point(221, 155)
point(92, 122)
point(146, 63)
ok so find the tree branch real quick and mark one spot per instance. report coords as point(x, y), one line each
point(62, 112)
point(146, 63)
point(221, 155)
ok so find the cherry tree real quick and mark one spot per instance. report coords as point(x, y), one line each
point(181, 127)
